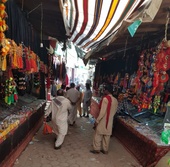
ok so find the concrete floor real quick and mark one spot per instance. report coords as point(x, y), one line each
point(75, 151)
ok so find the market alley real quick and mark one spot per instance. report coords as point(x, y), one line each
point(75, 150)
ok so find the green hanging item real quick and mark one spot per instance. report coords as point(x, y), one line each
point(6, 99)
point(12, 98)
point(165, 135)
point(134, 26)
point(9, 100)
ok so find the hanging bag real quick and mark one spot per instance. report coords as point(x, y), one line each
point(47, 129)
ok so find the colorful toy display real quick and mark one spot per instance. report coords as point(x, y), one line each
point(10, 91)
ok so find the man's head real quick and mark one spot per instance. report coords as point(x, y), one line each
point(87, 86)
point(108, 88)
point(78, 87)
point(63, 86)
point(60, 92)
point(72, 85)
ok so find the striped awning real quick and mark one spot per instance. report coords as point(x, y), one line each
point(89, 23)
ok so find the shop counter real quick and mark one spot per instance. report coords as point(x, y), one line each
point(140, 140)
point(24, 125)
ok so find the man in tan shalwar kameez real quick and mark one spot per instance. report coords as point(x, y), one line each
point(104, 122)
point(73, 95)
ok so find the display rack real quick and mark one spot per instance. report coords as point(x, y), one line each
point(23, 122)
point(141, 140)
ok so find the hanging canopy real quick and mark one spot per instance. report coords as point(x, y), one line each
point(98, 23)
point(90, 23)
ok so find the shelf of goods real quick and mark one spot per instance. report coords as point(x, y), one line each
point(18, 124)
point(142, 139)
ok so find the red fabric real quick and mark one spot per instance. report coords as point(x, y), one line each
point(108, 107)
point(47, 129)
point(48, 82)
point(53, 43)
point(66, 80)
point(15, 97)
point(166, 98)
point(85, 12)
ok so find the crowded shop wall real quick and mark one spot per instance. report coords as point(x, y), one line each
point(23, 62)
point(142, 78)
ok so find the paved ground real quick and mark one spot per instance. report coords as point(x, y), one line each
point(75, 151)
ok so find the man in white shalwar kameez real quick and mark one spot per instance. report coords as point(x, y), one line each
point(60, 107)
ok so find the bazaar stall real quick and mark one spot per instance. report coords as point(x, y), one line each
point(143, 105)
point(21, 103)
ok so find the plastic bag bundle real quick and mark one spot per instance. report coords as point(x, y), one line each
point(165, 136)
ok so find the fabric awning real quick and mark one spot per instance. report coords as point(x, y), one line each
point(90, 22)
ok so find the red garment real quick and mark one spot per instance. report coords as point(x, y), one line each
point(108, 107)
point(48, 83)
point(165, 100)
point(66, 80)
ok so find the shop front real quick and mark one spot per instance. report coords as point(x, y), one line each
point(22, 84)
point(143, 94)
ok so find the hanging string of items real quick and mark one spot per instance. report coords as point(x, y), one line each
point(152, 76)
point(4, 44)
point(149, 86)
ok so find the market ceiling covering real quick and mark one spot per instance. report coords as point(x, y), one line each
point(90, 23)
point(96, 26)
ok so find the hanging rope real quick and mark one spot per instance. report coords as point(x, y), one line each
point(125, 47)
point(22, 5)
point(166, 26)
point(41, 22)
point(35, 8)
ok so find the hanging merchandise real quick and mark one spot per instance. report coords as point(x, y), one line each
point(132, 80)
point(10, 91)
point(2, 89)
point(48, 83)
point(33, 61)
point(58, 69)
point(126, 80)
point(42, 66)
point(156, 103)
point(19, 77)
point(117, 78)
point(36, 80)
point(165, 136)
point(13, 54)
point(4, 43)
point(151, 77)
point(28, 63)
point(63, 72)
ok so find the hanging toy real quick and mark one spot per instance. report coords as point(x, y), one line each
point(15, 95)
point(156, 103)
point(10, 90)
